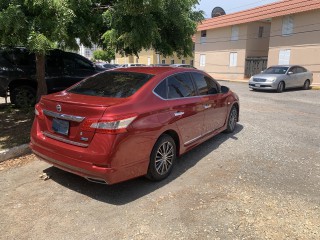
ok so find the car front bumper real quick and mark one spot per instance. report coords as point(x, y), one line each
point(263, 85)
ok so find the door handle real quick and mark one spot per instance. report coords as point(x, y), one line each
point(177, 114)
point(206, 106)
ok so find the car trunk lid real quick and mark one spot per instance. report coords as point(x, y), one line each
point(65, 116)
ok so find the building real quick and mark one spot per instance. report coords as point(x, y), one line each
point(150, 57)
point(238, 45)
point(87, 52)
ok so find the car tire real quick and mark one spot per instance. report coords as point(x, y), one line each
point(280, 87)
point(232, 120)
point(306, 85)
point(162, 159)
point(23, 96)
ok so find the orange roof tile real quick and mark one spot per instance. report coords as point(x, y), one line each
point(272, 10)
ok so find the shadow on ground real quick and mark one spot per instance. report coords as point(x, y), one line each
point(274, 91)
point(15, 125)
point(123, 193)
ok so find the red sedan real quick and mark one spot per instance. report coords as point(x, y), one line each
point(126, 123)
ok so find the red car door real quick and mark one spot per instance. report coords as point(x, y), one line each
point(186, 108)
point(214, 103)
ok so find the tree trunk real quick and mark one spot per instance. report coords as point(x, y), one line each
point(41, 72)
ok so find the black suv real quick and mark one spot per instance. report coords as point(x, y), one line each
point(18, 73)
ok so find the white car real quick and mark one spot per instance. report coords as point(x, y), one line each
point(282, 77)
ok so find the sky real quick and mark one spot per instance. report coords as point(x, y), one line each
point(230, 6)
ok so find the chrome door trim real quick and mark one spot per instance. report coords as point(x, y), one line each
point(193, 140)
point(177, 114)
point(64, 140)
point(63, 116)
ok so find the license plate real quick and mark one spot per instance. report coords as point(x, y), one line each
point(257, 85)
point(60, 126)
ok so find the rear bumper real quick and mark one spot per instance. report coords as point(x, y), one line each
point(103, 161)
point(81, 168)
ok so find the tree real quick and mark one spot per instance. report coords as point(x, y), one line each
point(167, 26)
point(125, 25)
point(41, 25)
point(104, 55)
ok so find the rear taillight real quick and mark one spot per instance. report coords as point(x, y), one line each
point(108, 126)
point(38, 111)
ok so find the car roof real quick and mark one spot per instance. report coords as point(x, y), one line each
point(286, 66)
point(153, 70)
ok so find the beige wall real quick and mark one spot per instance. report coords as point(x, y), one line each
point(217, 49)
point(150, 54)
point(258, 47)
point(304, 43)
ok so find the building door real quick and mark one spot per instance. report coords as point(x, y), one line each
point(255, 65)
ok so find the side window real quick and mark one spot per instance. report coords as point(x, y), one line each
point(52, 62)
point(301, 70)
point(205, 85)
point(81, 64)
point(180, 86)
point(294, 70)
point(22, 58)
point(69, 64)
point(161, 89)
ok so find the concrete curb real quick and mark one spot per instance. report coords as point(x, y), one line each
point(14, 152)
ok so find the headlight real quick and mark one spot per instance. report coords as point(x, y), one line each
point(271, 79)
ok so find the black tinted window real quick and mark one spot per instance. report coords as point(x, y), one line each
point(205, 84)
point(112, 84)
point(180, 86)
point(76, 63)
point(161, 89)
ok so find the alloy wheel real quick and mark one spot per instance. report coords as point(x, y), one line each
point(164, 158)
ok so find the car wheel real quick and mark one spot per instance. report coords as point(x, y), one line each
point(232, 120)
point(306, 85)
point(280, 87)
point(162, 159)
point(23, 96)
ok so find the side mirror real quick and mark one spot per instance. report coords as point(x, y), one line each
point(224, 89)
point(290, 73)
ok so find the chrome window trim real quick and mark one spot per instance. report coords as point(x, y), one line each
point(198, 96)
point(63, 116)
point(61, 139)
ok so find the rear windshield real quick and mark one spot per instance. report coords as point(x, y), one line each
point(112, 84)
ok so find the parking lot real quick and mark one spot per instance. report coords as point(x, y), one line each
point(261, 182)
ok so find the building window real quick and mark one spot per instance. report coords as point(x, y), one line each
point(202, 60)
point(172, 61)
point(287, 25)
point(191, 62)
point(149, 61)
point(203, 36)
point(284, 57)
point(260, 34)
point(183, 61)
point(234, 33)
point(233, 59)
point(193, 47)
point(163, 61)
point(87, 53)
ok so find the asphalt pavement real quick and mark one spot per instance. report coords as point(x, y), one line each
point(261, 182)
